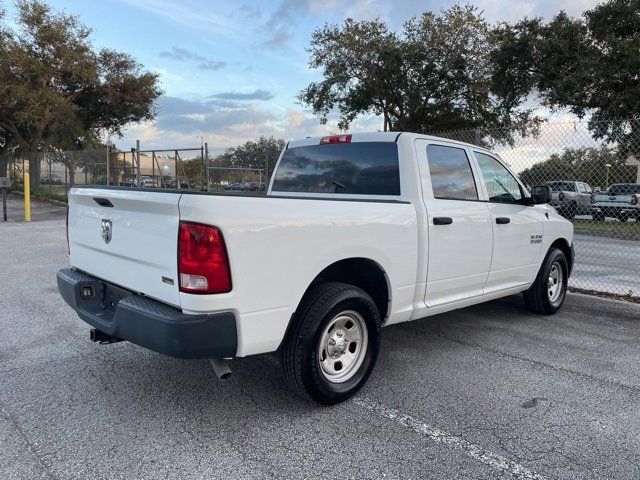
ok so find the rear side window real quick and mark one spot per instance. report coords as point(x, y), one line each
point(359, 168)
point(451, 175)
point(562, 186)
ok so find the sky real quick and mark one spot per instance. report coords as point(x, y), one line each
point(230, 70)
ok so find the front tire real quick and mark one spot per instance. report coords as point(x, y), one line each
point(332, 346)
point(546, 294)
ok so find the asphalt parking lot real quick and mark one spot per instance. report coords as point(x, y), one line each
point(486, 392)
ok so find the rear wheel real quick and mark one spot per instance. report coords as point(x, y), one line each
point(546, 294)
point(598, 216)
point(623, 217)
point(568, 212)
point(332, 346)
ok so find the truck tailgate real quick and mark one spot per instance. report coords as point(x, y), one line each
point(127, 237)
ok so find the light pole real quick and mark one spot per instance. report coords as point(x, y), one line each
point(109, 146)
point(606, 182)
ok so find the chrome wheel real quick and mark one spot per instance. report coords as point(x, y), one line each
point(555, 282)
point(343, 346)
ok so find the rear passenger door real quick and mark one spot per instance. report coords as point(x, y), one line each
point(459, 224)
point(517, 228)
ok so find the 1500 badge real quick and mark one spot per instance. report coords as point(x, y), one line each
point(536, 238)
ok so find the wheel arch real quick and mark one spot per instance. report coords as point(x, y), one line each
point(566, 248)
point(361, 272)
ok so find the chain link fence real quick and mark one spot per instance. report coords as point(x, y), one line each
point(53, 173)
point(595, 184)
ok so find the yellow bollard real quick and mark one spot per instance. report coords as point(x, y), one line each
point(27, 198)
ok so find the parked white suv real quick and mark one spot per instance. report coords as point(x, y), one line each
point(356, 232)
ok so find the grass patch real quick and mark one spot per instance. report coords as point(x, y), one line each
point(611, 296)
point(53, 195)
point(616, 229)
point(44, 194)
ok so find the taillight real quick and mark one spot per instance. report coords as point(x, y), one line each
point(561, 196)
point(203, 265)
point(67, 228)
point(634, 199)
point(336, 139)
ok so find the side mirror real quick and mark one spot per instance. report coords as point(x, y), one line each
point(540, 194)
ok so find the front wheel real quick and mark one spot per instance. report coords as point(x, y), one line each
point(546, 294)
point(332, 346)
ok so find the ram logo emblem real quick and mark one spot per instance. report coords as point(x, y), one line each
point(106, 228)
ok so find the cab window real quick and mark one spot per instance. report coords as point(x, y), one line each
point(358, 168)
point(501, 186)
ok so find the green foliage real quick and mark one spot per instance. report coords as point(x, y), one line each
point(192, 169)
point(57, 91)
point(582, 165)
point(589, 65)
point(250, 154)
point(434, 75)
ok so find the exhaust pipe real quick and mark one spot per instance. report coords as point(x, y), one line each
point(102, 338)
point(220, 368)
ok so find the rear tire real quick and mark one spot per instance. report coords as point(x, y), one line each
point(623, 217)
point(546, 294)
point(332, 346)
point(599, 217)
point(571, 211)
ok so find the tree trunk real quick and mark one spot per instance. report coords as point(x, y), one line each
point(34, 170)
point(72, 174)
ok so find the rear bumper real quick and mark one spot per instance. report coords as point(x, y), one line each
point(147, 322)
point(615, 210)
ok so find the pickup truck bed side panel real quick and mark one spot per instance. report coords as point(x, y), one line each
point(276, 254)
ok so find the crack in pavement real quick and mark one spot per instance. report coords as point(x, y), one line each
point(30, 446)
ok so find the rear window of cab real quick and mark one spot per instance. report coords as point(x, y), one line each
point(359, 168)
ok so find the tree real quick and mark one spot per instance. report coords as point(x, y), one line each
point(191, 169)
point(249, 155)
point(583, 165)
point(434, 75)
point(56, 90)
point(589, 65)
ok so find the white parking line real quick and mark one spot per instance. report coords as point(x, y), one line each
point(498, 462)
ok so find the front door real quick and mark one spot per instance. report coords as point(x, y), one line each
point(517, 228)
point(459, 224)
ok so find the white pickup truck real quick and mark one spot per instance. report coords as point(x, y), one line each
point(355, 232)
point(619, 201)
